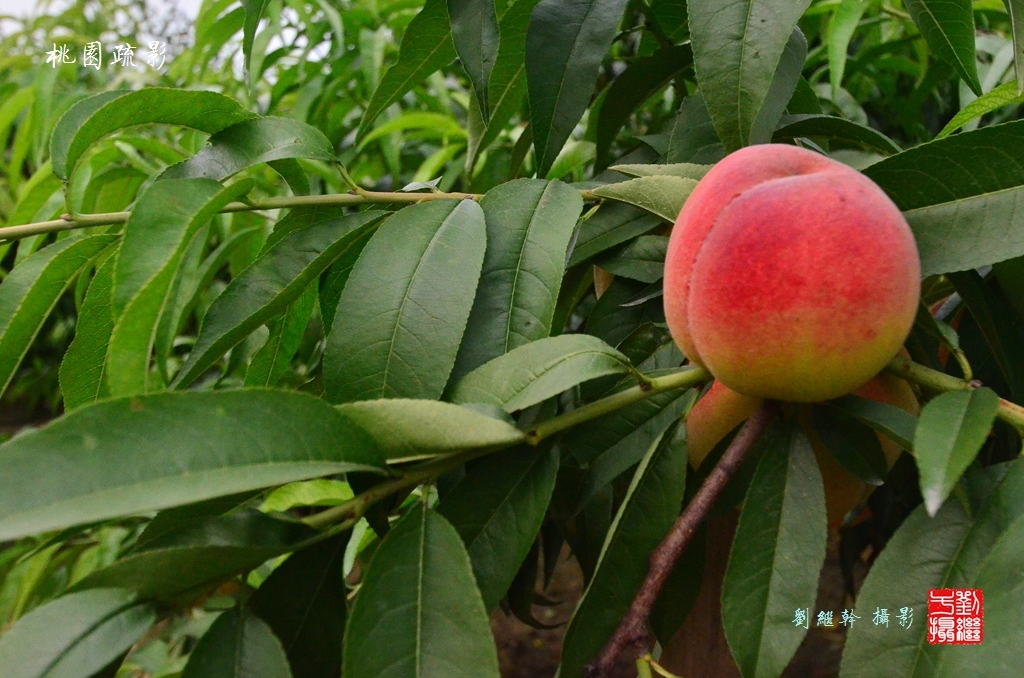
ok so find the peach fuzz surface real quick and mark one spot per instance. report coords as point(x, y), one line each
point(790, 276)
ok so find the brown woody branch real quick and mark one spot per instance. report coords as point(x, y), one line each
point(632, 631)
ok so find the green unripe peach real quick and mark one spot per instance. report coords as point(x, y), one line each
point(790, 276)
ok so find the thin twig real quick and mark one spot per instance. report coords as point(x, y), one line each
point(632, 630)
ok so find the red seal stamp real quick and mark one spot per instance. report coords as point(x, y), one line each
point(955, 616)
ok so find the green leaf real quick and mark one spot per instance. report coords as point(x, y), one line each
point(641, 259)
point(625, 306)
point(996, 320)
point(304, 603)
point(81, 371)
point(950, 432)
point(475, 36)
point(238, 645)
point(273, 282)
point(419, 607)
point(614, 224)
point(529, 225)
point(319, 492)
point(693, 138)
point(196, 558)
point(949, 550)
point(636, 429)
point(686, 170)
point(160, 229)
point(91, 119)
point(498, 509)
point(251, 142)
point(334, 279)
point(565, 43)
point(948, 28)
point(650, 507)
point(962, 196)
point(1016, 12)
point(780, 92)
point(273, 359)
point(660, 195)
point(830, 127)
point(536, 371)
point(852, 444)
point(736, 50)
point(406, 304)
point(507, 85)
point(32, 289)
point(644, 77)
point(408, 429)
point(1003, 95)
point(841, 27)
point(75, 635)
point(426, 47)
point(253, 13)
point(134, 455)
point(776, 556)
point(892, 422)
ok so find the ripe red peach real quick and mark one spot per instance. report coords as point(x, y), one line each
point(790, 276)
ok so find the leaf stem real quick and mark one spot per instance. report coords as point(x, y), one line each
point(356, 197)
point(632, 630)
point(684, 378)
point(904, 368)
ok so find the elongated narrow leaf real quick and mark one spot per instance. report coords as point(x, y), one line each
point(134, 455)
point(776, 556)
point(498, 509)
point(830, 127)
point(614, 224)
point(1004, 95)
point(507, 85)
point(198, 557)
point(783, 85)
point(641, 79)
point(660, 195)
point(475, 36)
point(736, 49)
point(1016, 11)
point(950, 432)
point(419, 608)
point(995, 318)
point(889, 420)
point(32, 289)
point(272, 360)
point(953, 549)
point(426, 47)
point(629, 445)
point(641, 259)
point(565, 43)
point(962, 196)
point(650, 507)
point(253, 13)
point(75, 635)
point(529, 225)
point(81, 371)
point(536, 371)
point(405, 428)
point(91, 119)
point(686, 170)
point(948, 28)
point(854, 445)
point(159, 231)
point(840, 30)
point(274, 281)
point(251, 142)
point(238, 645)
point(334, 279)
point(693, 137)
point(303, 601)
point(404, 308)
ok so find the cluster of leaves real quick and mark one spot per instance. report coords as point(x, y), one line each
point(312, 427)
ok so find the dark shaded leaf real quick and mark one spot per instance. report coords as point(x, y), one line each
point(238, 645)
